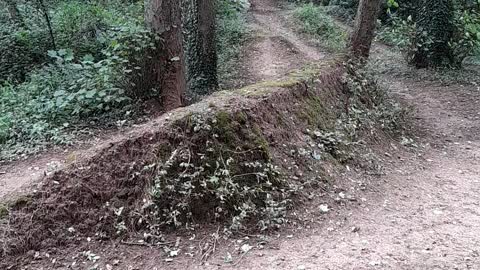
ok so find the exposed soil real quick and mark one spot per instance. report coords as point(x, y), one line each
point(421, 212)
point(276, 49)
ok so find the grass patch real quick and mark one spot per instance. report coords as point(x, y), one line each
point(315, 22)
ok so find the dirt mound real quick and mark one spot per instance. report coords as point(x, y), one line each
point(102, 194)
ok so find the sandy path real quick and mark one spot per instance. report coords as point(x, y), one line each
point(277, 49)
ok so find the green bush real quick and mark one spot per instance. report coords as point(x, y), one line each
point(399, 33)
point(315, 22)
point(99, 70)
point(463, 42)
point(466, 41)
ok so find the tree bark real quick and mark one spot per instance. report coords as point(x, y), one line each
point(201, 52)
point(165, 19)
point(49, 23)
point(364, 30)
point(435, 30)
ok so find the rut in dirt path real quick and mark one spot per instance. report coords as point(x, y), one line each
point(277, 49)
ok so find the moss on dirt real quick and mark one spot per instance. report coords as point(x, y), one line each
point(316, 114)
point(3, 211)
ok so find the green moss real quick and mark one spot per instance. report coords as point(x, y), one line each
point(3, 211)
point(225, 127)
point(316, 115)
point(22, 201)
point(241, 117)
point(261, 142)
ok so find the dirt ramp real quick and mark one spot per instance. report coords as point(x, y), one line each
point(228, 143)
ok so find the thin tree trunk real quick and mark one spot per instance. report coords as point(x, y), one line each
point(201, 53)
point(164, 18)
point(364, 30)
point(49, 24)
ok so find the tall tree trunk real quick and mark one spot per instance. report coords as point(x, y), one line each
point(201, 53)
point(364, 30)
point(44, 9)
point(165, 19)
point(14, 13)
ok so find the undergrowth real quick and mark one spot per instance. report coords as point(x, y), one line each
point(317, 23)
point(221, 172)
point(97, 76)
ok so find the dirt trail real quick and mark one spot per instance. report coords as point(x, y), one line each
point(23, 176)
point(424, 213)
point(277, 49)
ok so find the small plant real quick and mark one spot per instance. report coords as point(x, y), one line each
point(370, 103)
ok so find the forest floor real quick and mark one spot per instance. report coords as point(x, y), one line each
point(422, 212)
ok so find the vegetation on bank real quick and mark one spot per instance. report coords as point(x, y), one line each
point(90, 71)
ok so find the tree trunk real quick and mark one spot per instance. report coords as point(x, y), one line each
point(165, 19)
point(364, 30)
point(49, 23)
point(201, 53)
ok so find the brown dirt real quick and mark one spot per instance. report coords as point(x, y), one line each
point(24, 176)
point(276, 49)
point(421, 212)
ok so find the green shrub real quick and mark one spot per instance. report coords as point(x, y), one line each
point(315, 22)
point(94, 77)
point(399, 33)
point(466, 40)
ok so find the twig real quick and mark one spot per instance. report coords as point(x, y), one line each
point(145, 244)
point(215, 239)
point(241, 257)
point(245, 174)
point(135, 244)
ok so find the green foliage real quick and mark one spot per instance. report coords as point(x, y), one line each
point(437, 37)
point(434, 33)
point(399, 33)
point(370, 104)
point(98, 72)
point(344, 10)
point(466, 40)
point(315, 22)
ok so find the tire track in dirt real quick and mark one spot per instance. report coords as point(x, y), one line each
point(277, 49)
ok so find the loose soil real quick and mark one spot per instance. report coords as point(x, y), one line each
point(420, 210)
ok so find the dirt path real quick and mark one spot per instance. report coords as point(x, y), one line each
point(424, 213)
point(277, 49)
